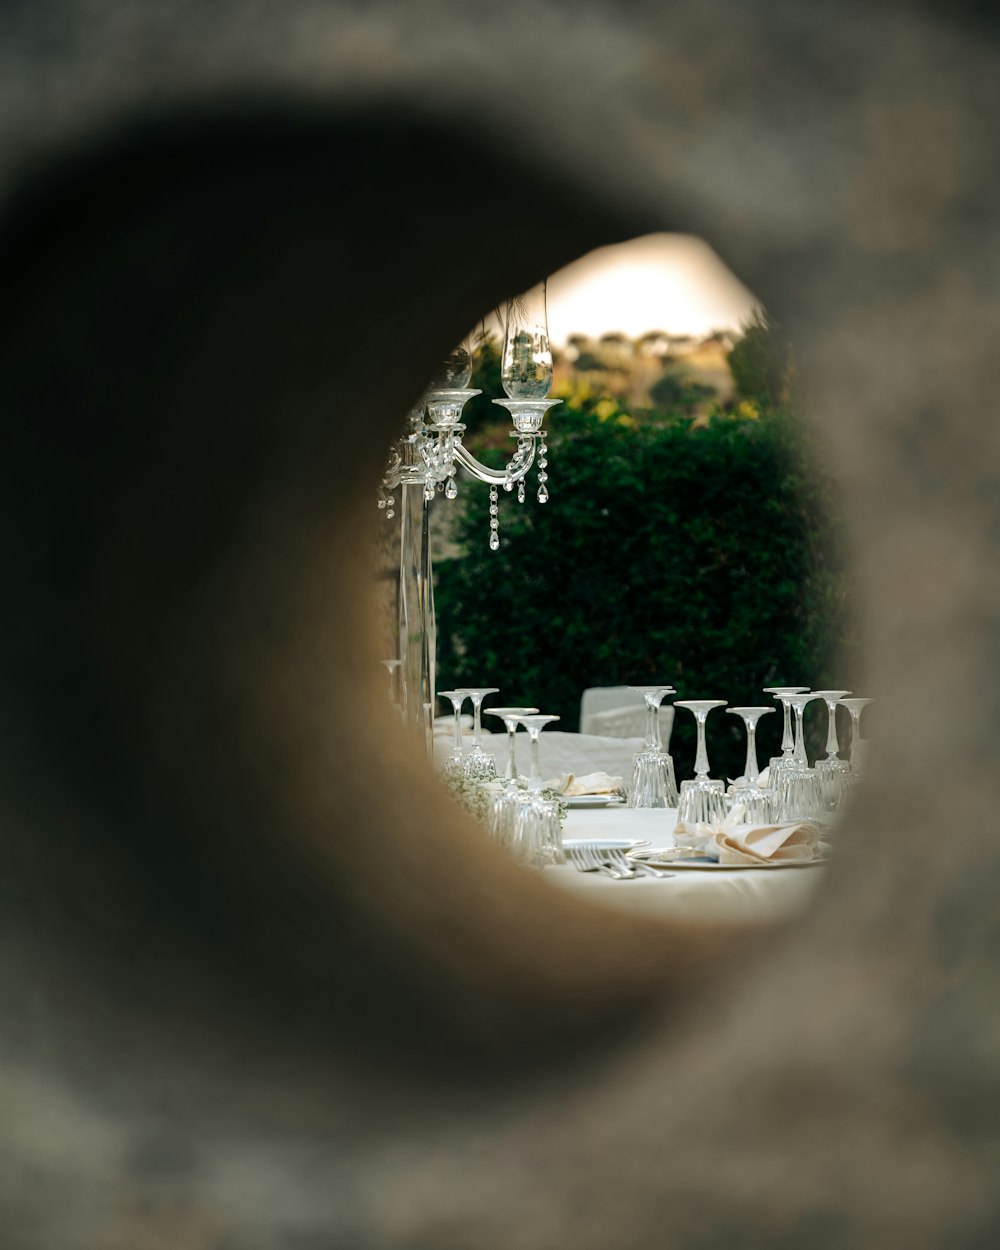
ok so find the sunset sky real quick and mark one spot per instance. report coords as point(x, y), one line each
point(671, 282)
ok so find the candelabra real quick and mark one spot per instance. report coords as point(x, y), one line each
point(424, 462)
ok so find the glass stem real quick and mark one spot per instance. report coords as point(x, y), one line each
point(701, 759)
point(511, 774)
point(477, 732)
point(787, 741)
point(458, 727)
point(855, 738)
point(799, 753)
point(750, 770)
point(832, 745)
point(535, 780)
point(652, 736)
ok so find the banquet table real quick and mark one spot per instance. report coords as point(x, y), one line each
point(737, 895)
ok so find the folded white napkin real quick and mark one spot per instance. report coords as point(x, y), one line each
point(733, 842)
point(591, 783)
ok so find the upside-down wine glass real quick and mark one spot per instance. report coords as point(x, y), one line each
point(783, 694)
point(479, 765)
point(756, 801)
point(392, 667)
point(510, 717)
point(506, 803)
point(536, 837)
point(798, 796)
point(832, 771)
point(702, 798)
point(653, 780)
point(454, 765)
point(856, 707)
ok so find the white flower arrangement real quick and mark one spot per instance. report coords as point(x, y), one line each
point(475, 794)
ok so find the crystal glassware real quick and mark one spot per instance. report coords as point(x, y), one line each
point(392, 668)
point(537, 839)
point(653, 780)
point(702, 798)
point(783, 694)
point(856, 707)
point(510, 717)
point(478, 763)
point(833, 772)
point(526, 367)
point(798, 795)
point(454, 765)
point(755, 800)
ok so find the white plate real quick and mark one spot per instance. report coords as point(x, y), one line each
point(656, 859)
point(591, 800)
point(605, 844)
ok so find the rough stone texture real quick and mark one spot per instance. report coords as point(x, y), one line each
point(226, 1020)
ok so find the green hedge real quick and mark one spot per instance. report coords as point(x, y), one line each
point(701, 556)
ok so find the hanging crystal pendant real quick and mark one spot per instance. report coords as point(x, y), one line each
point(494, 519)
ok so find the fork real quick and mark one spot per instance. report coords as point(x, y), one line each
point(633, 867)
point(589, 859)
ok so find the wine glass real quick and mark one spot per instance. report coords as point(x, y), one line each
point(856, 707)
point(783, 694)
point(478, 763)
point(392, 667)
point(653, 780)
point(798, 795)
point(537, 837)
point(755, 800)
point(502, 819)
point(454, 765)
point(510, 717)
point(832, 771)
point(702, 798)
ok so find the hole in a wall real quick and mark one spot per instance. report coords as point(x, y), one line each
point(688, 533)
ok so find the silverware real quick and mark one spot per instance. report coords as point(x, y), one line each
point(610, 861)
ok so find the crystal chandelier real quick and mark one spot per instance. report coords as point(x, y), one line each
point(425, 461)
point(431, 450)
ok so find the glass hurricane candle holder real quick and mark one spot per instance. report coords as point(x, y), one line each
point(526, 366)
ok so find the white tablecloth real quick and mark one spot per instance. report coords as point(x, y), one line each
point(715, 894)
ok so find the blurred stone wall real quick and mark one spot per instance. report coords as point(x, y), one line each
point(261, 985)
